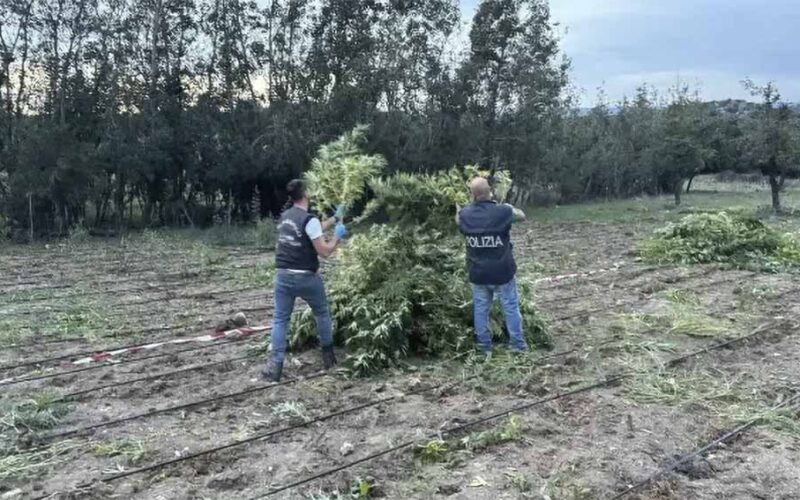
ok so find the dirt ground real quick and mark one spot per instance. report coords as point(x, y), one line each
point(627, 318)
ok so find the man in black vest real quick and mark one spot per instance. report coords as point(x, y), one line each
point(486, 227)
point(300, 243)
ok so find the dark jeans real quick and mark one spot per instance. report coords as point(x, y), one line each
point(288, 287)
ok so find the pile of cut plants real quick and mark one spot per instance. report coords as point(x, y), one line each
point(729, 238)
point(399, 287)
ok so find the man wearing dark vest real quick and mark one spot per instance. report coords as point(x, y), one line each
point(486, 226)
point(300, 244)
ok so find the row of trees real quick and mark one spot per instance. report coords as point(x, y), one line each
point(186, 111)
point(657, 145)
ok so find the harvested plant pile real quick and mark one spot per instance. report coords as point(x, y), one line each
point(400, 287)
point(727, 238)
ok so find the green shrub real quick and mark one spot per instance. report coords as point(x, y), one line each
point(727, 238)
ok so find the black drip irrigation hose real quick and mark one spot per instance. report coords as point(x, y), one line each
point(209, 295)
point(563, 318)
point(601, 383)
point(195, 326)
point(614, 307)
point(638, 273)
point(596, 385)
point(103, 365)
point(83, 430)
point(587, 312)
point(757, 331)
point(174, 278)
point(256, 309)
point(252, 390)
point(164, 284)
point(274, 432)
point(728, 436)
point(445, 432)
point(62, 357)
point(72, 395)
point(597, 292)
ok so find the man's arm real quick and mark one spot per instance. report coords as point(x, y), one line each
point(519, 215)
point(328, 223)
point(314, 230)
point(331, 221)
point(458, 212)
point(325, 248)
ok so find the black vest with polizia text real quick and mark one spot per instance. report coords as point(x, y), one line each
point(487, 229)
point(295, 249)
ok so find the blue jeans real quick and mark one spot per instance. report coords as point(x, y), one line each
point(288, 287)
point(483, 297)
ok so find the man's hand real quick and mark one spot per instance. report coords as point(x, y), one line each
point(340, 231)
point(339, 214)
point(326, 248)
point(519, 215)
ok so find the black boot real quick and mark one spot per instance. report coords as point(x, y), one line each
point(328, 357)
point(272, 371)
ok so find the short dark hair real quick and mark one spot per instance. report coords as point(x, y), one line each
point(296, 189)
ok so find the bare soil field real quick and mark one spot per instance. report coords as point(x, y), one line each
point(648, 364)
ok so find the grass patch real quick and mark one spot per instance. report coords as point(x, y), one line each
point(291, 410)
point(518, 481)
point(707, 194)
point(784, 421)
point(132, 451)
point(503, 370)
point(362, 489)
point(31, 294)
point(565, 486)
point(27, 464)
point(433, 451)
point(76, 316)
point(679, 318)
point(752, 297)
point(649, 347)
point(670, 389)
point(728, 401)
point(512, 429)
point(40, 412)
point(682, 296)
point(260, 274)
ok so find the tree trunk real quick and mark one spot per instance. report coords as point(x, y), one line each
point(775, 187)
point(677, 190)
point(689, 185)
point(30, 215)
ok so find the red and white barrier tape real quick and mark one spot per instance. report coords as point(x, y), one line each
point(564, 277)
point(108, 356)
point(99, 357)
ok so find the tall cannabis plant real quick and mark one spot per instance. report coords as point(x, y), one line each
point(341, 170)
point(400, 287)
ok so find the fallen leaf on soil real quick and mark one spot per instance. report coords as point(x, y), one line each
point(478, 482)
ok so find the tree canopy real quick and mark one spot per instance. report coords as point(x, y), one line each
point(171, 112)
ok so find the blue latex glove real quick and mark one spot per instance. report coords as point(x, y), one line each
point(339, 214)
point(340, 231)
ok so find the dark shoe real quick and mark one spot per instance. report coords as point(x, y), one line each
point(272, 372)
point(328, 357)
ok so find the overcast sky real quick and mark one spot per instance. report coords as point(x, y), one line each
point(709, 44)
